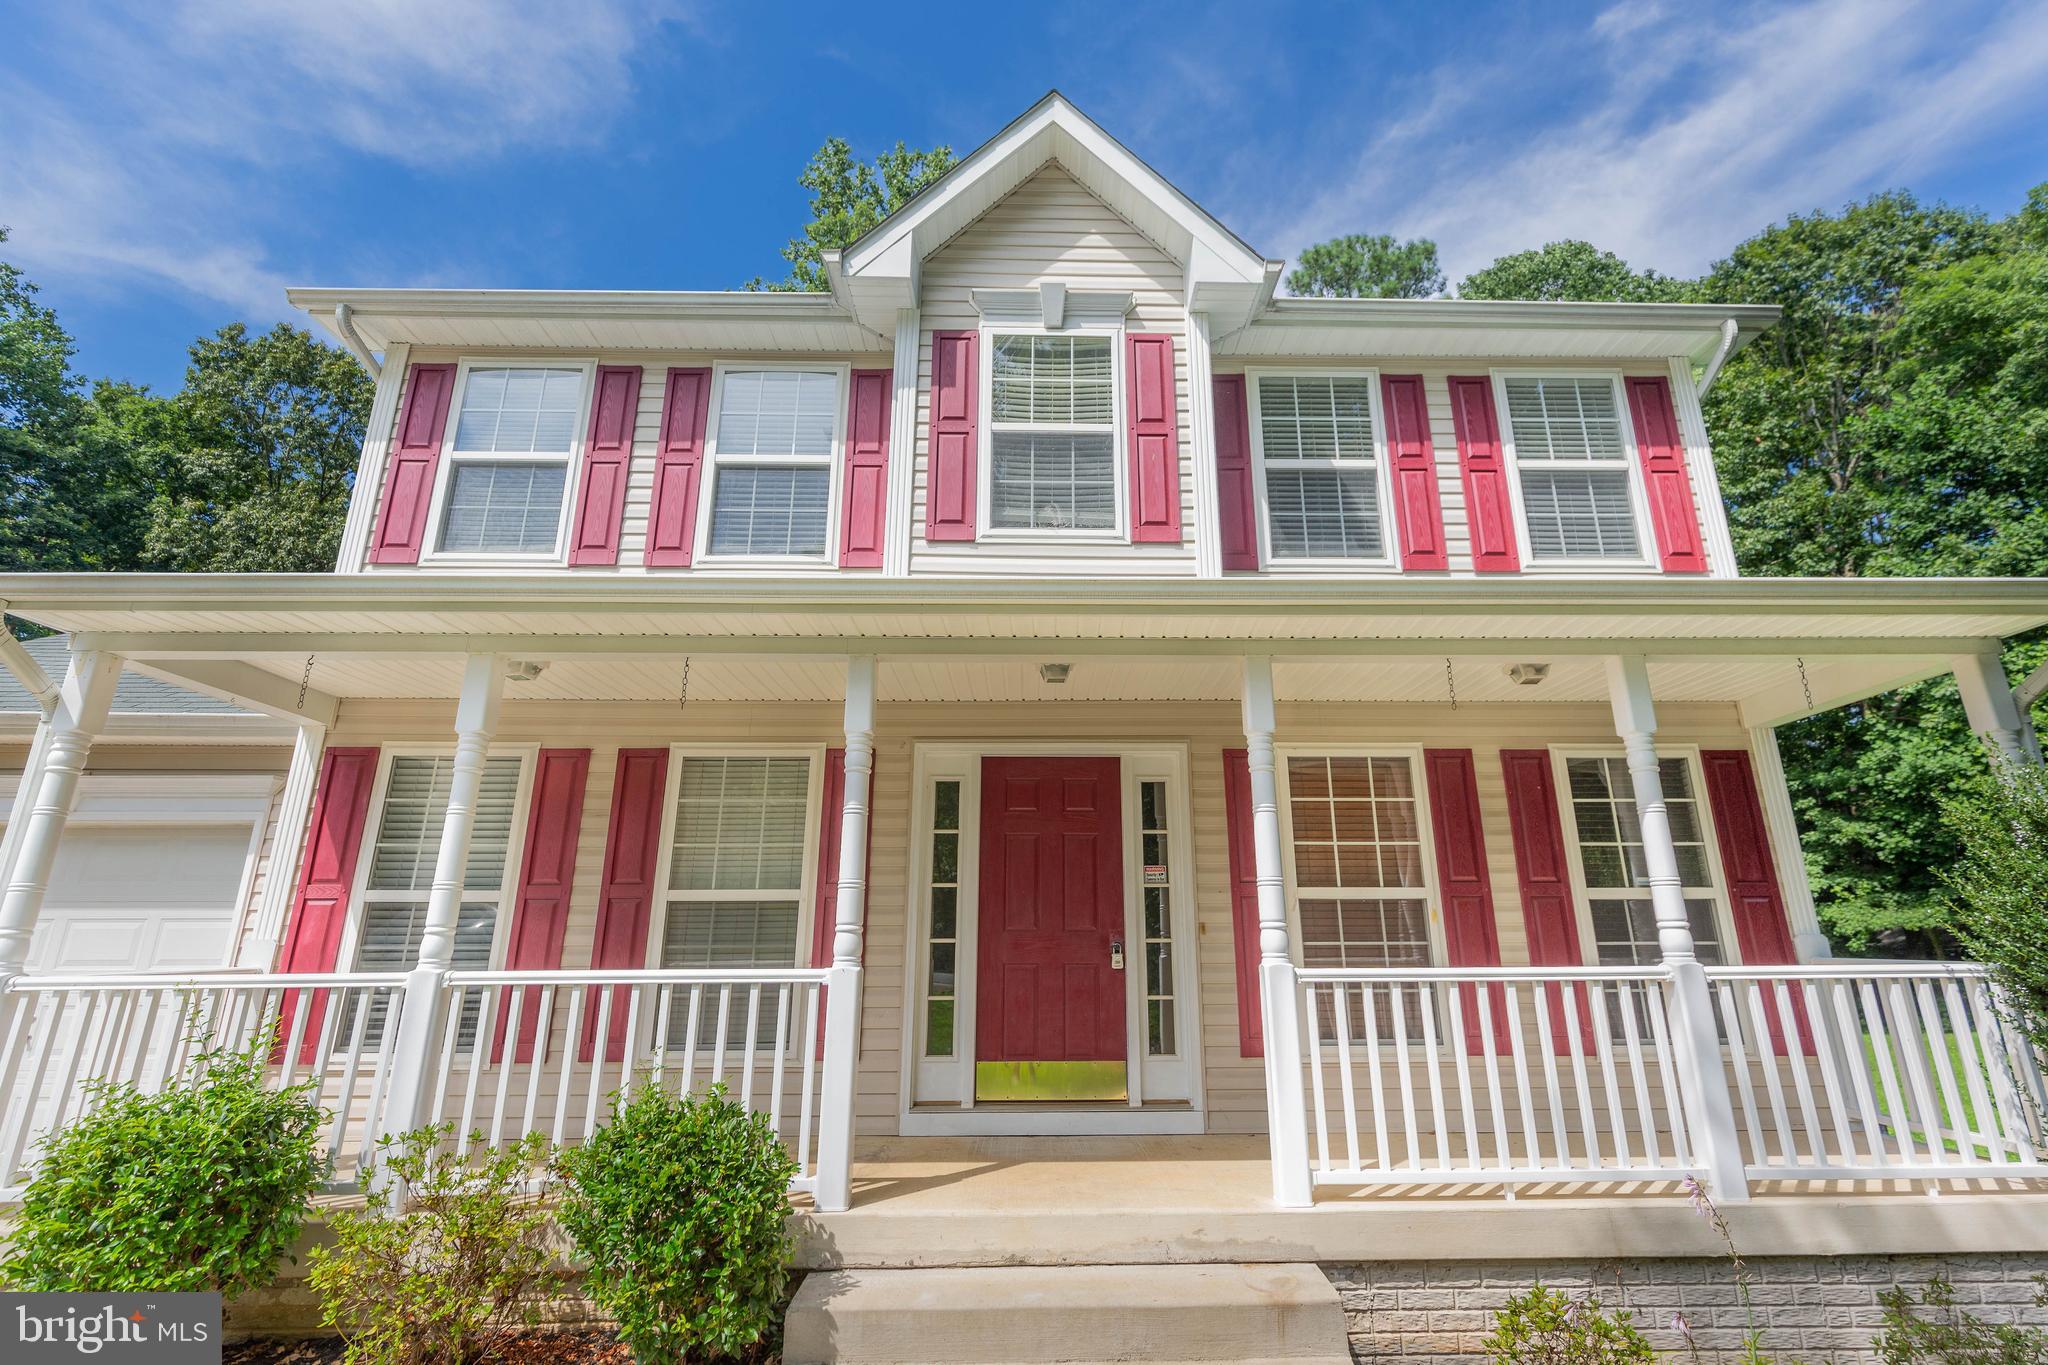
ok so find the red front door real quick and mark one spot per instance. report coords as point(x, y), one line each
point(1052, 919)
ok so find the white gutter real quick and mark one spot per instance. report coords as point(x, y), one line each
point(22, 664)
point(345, 327)
point(1729, 329)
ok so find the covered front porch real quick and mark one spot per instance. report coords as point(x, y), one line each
point(1467, 1019)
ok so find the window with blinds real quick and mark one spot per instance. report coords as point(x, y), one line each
point(1052, 433)
point(771, 455)
point(508, 465)
point(1610, 840)
point(1321, 462)
point(1572, 461)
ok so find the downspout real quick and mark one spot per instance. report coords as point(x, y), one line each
point(344, 323)
point(1721, 354)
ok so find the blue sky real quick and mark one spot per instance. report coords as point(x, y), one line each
point(167, 167)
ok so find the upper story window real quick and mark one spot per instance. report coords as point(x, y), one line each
point(506, 474)
point(1318, 450)
point(1609, 841)
point(1574, 469)
point(771, 462)
point(1052, 432)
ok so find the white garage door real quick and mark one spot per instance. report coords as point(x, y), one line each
point(135, 898)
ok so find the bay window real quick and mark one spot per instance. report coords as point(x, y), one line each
point(505, 476)
point(1052, 433)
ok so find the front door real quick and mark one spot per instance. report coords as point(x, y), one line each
point(1049, 1018)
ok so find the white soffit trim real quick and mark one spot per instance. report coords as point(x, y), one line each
point(1470, 327)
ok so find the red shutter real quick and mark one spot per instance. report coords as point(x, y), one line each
point(1763, 933)
point(1548, 917)
point(625, 903)
point(327, 873)
point(1244, 895)
point(409, 470)
point(1489, 511)
point(950, 488)
point(824, 915)
point(1470, 935)
point(1155, 438)
point(540, 911)
point(1237, 506)
point(607, 458)
point(678, 460)
point(865, 518)
point(1412, 464)
point(1662, 451)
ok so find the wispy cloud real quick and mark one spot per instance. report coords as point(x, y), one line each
point(141, 135)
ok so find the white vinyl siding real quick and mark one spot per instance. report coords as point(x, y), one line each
point(771, 454)
point(508, 464)
point(1572, 464)
point(1320, 467)
point(1052, 436)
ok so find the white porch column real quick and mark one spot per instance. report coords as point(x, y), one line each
point(81, 713)
point(287, 846)
point(1279, 996)
point(1695, 1043)
point(1809, 940)
point(1988, 702)
point(842, 990)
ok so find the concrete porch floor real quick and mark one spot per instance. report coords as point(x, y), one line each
point(1160, 1200)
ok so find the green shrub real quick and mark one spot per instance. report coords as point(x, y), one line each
point(466, 1258)
point(201, 1186)
point(1998, 886)
point(1550, 1327)
point(678, 1206)
point(1933, 1330)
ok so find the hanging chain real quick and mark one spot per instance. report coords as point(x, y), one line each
point(1804, 684)
point(1451, 682)
point(305, 681)
point(683, 690)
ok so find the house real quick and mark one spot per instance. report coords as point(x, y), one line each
point(1060, 727)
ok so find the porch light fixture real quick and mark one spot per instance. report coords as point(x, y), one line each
point(1054, 673)
point(523, 670)
point(1528, 675)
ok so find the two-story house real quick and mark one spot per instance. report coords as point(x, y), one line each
point(1051, 686)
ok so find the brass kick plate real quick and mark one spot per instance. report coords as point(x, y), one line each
point(1050, 1081)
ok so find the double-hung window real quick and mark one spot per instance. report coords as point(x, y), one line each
point(1610, 845)
point(504, 487)
point(1319, 453)
point(1573, 469)
point(771, 462)
point(1052, 432)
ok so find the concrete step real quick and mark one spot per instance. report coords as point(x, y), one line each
point(1011, 1315)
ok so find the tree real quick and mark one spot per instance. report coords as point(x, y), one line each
point(1570, 270)
point(1364, 267)
point(848, 198)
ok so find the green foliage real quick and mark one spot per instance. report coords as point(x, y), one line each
point(678, 1204)
point(1998, 887)
point(848, 198)
point(1570, 270)
point(466, 1258)
point(202, 1186)
point(1367, 267)
point(1933, 1331)
point(1550, 1327)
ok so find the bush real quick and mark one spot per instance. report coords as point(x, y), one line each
point(202, 1186)
point(1997, 888)
point(1935, 1330)
point(465, 1259)
point(1550, 1327)
point(678, 1206)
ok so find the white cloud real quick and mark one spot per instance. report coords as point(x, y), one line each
point(1690, 128)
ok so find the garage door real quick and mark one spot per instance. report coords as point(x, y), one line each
point(135, 898)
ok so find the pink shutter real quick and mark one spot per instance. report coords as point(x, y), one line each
point(1662, 451)
point(678, 461)
point(625, 904)
point(327, 873)
point(950, 488)
point(1154, 438)
point(1470, 934)
point(1763, 932)
point(1548, 916)
point(1244, 897)
point(1489, 511)
point(607, 458)
point(824, 914)
point(540, 910)
point(409, 470)
point(1412, 465)
point(1237, 506)
point(864, 520)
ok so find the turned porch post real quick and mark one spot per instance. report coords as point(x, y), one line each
point(1279, 995)
point(1695, 1043)
point(842, 991)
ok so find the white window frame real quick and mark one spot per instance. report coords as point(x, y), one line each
point(842, 373)
point(1638, 498)
point(1383, 486)
point(1582, 894)
point(444, 473)
point(1119, 530)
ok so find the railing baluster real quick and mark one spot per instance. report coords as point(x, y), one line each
point(1658, 991)
point(1895, 1111)
point(1371, 1017)
point(1849, 1040)
point(1944, 1070)
point(506, 1050)
point(570, 1061)
point(600, 1048)
point(1575, 1024)
point(1824, 1059)
point(633, 994)
point(2011, 1108)
point(373, 1118)
point(781, 1043)
point(1553, 1085)
point(690, 1038)
point(1313, 1028)
point(1341, 999)
point(804, 1156)
point(753, 1035)
point(1511, 1004)
point(1738, 1063)
point(487, 1000)
point(1411, 1140)
point(1459, 1029)
point(1774, 1086)
point(543, 1036)
point(1433, 1061)
point(1632, 1044)
point(1795, 1062)
point(718, 1046)
point(1913, 1051)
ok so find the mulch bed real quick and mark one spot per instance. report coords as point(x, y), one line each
point(514, 1348)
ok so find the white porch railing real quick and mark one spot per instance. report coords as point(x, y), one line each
point(1514, 1075)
